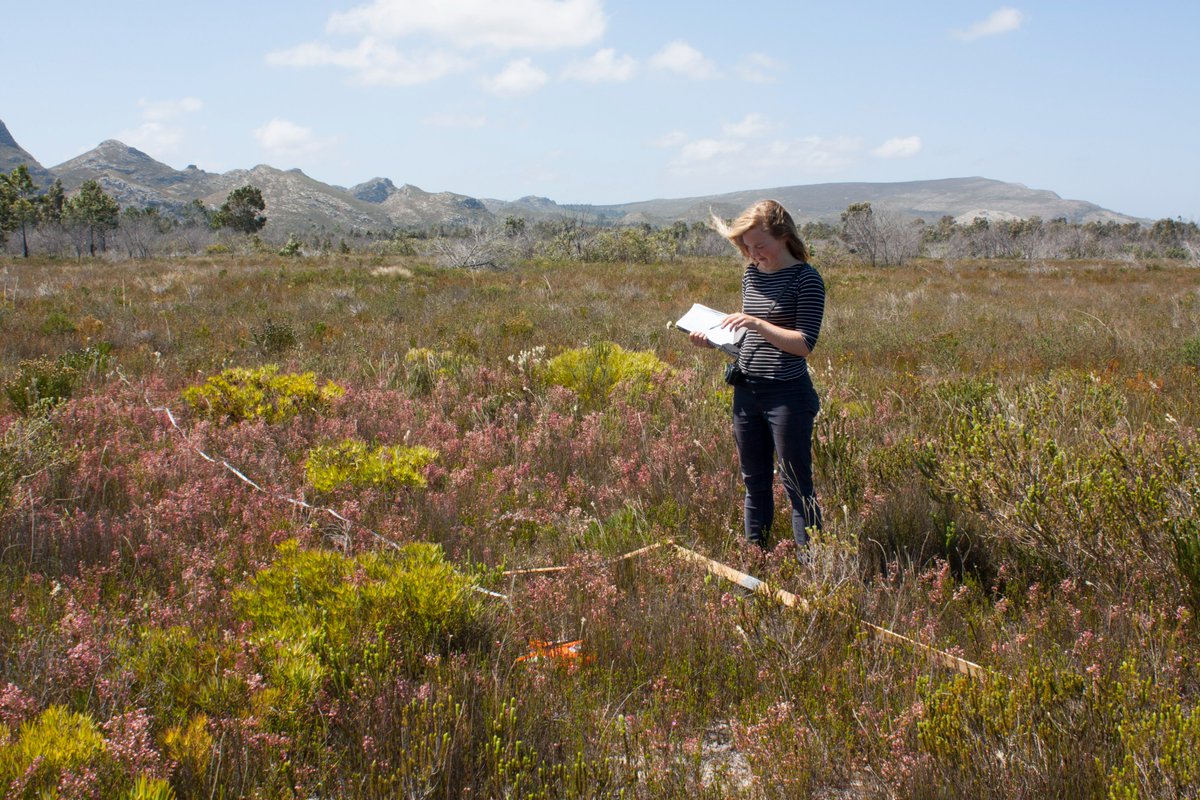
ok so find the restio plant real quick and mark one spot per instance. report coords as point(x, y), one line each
point(424, 367)
point(354, 463)
point(240, 394)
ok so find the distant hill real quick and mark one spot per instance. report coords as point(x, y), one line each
point(300, 204)
point(930, 200)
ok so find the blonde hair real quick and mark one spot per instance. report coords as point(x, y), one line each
point(771, 218)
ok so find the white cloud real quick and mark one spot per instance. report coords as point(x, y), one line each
point(454, 121)
point(683, 59)
point(670, 139)
point(281, 137)
point(503, 25)
point(374, 62)
point(905, 147)
point(735, 138)
point(166, 109)
point(759, 68)
point(809, 153)
point(1005, 20)
point(519, 77)
point(158, 133)
point(706, 150)
point(153, 137)
point(749, 127)
point(603, 67)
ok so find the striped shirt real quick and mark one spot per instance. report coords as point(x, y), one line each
point(793, 298)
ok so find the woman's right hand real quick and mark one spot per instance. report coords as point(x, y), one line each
point(698, 339)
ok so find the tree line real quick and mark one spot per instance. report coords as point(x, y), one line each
point(90, 222)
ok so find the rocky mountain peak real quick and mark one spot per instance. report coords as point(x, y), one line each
point(375, 190)
point(12, 155)
point(6, 139)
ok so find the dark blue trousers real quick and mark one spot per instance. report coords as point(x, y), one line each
point(770, 419)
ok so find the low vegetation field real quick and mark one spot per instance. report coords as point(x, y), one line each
point(269, 528)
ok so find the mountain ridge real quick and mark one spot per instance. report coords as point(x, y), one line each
point(299, 203)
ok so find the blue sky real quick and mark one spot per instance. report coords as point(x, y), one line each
point(610, 101)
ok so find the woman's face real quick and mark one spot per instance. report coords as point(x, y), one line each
point(765, 250)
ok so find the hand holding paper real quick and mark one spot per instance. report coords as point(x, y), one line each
point(708, 321)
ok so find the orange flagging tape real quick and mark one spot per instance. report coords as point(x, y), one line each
point(555, 651)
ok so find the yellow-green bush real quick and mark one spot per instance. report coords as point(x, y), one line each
point(58, 740)
point(353, 462)
point(323, 619)
point(151, 789)
point(593, 372)
point(241, 394)
point(190, 744)
point(174, 671)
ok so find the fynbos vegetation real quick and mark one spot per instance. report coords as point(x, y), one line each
point(1007, 458)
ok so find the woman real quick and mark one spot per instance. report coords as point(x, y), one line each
point(774, 402)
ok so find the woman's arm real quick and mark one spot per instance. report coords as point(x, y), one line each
point(789, 341)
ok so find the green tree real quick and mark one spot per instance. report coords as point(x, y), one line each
point(7, 199)
point(242, 211)
point(21, 199)
point(52, 203)
point(514, 227)
point(91, 212)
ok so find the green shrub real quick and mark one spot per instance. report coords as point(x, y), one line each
point(323, 619)
point(57, 324)
point(43, 382)
point(1062, 498)
point(241, 394)
point(151, 789)
point(175, 671)
point(292, 247)
point(190, 745)
point(91, 360)
point(1008, 737)
point(58, 740)
point(1159, 738)
point(40, 383)
point(273, 338)
point(354, 463)
point(1191, 352)
point(27, 447)
point(593, 372)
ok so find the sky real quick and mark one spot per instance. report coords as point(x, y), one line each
point(615, 101)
